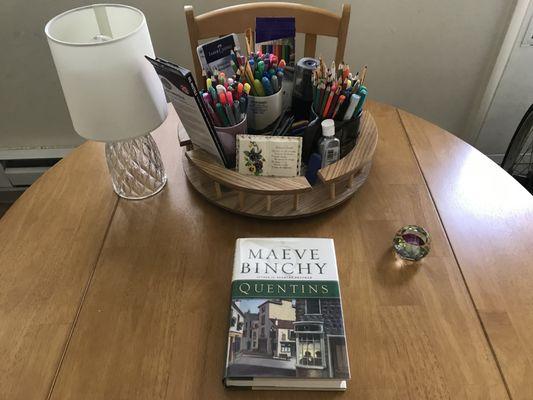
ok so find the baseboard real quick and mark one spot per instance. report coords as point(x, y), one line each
point(20, 167)
point(9, 195)
point(34, 153)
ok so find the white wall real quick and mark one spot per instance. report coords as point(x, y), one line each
point(513, 96)
point(430, 57)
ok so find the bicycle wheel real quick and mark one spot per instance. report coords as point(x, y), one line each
point(518, 160)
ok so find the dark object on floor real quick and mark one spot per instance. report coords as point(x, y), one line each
point(518, 160)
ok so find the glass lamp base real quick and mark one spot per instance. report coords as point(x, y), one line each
point(136, 168)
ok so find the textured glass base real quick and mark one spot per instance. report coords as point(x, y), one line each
point(135, 167)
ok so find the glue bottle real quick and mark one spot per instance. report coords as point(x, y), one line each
point(329, 146)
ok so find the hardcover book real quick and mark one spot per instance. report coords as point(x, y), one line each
point(286, 327)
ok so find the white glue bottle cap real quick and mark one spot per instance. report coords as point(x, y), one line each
point(328, 128)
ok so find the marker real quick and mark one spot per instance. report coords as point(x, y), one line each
point(213, 94)
point(274, 82)
point(280, 77)
point(258, 88)
point(213, 115)
point(237, 111)
point(243, 104)
point(222, 115)
point(362, 94)
point(231, 117)
point(354, 100)
point(229, 97)
point(240, 88)
point(267, 86)
point(247, 88)
point(221, 89)
point(222, 98)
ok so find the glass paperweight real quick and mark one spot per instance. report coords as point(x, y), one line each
point(412, 243)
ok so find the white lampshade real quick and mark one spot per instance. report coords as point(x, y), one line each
point(112, 91)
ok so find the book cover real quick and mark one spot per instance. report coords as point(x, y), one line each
point(182, 92)
point(261, 155)
point(286, 327)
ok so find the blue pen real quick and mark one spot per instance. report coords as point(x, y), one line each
point(267, 86)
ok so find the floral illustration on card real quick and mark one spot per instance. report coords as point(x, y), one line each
point(253, 159)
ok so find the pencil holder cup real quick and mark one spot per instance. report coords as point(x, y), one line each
point(227, 135)
point(346, 131)
point(264, 110)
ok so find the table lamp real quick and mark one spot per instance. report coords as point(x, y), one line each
point(112, 92)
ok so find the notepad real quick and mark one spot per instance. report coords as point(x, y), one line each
point(260, 155)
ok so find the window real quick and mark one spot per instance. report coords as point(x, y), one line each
point(262, 332)
point(285, 348)
point(312, 306)
point(310, 349)
point(263, 319)
point(283, 336)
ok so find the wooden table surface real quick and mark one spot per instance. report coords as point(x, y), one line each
point(103, 298)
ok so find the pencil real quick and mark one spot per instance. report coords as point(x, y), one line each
point(363, 75)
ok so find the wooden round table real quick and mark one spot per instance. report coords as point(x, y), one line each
point(102, 298)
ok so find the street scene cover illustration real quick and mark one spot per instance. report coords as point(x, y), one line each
point(286, 316)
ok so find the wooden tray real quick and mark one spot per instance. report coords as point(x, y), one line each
point(281, 198)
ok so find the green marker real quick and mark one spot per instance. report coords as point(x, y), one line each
point(258, 88)
point(222, 115)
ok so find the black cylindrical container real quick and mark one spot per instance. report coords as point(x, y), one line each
point(302, 96)
point(346, 131)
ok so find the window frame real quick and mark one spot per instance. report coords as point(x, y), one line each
point(320, 336)
point(319, 307)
